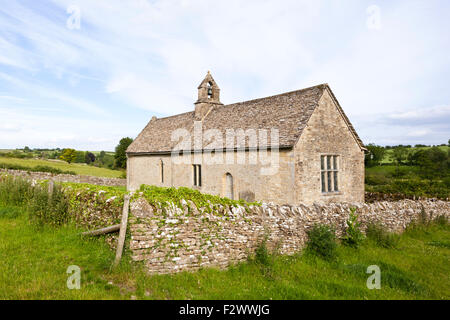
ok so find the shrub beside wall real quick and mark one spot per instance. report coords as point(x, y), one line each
point(94, 207)
point(87, 206)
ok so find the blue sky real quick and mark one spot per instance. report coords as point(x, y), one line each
point(388, 63)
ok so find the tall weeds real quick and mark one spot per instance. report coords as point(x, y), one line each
point(49, 208)
point(353, 235)
point(43, 207)
point(322, 241)
point(15, 191)
point(377, 233)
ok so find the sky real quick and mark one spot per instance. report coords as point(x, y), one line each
point(83, 74)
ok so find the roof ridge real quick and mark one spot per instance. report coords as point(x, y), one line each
point(278, 95)
point(175, 115)
point(253, 100)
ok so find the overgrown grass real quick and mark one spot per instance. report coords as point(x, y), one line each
point(75, 168)
point(33, 261)
point(33, 264)
point(15, 191)
point(377, 233)
point(49, 208)
point(61, 204)
point(44, 206)
point(322, 242)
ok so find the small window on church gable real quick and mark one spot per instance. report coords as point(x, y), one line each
point(329, 170)
point(161, 164)
point(210, 91)
point(197, 174)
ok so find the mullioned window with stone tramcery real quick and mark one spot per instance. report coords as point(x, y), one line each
point(329, 173)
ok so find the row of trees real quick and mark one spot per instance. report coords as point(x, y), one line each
point(116, 161)
point(72, 155)
point(432, 162)
point(418, 145)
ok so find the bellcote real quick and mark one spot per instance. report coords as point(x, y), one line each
point(208, 90)
point(208, 96)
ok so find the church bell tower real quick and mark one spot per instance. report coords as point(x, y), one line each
point(208, 97)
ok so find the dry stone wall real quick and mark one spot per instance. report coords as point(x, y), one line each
point(169, 238)
point(101, 181)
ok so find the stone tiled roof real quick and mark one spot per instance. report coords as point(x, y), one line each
point(288, 113)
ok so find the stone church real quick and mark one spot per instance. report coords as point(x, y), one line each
point(289, 148)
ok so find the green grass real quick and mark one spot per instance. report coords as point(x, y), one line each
point(389, 152)
point(75, 167)
point(33, 264)
point(388, 158)
point(389, 169)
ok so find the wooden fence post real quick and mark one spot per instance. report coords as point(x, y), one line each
point(123, 230)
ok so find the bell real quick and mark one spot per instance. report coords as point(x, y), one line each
point(209, 91)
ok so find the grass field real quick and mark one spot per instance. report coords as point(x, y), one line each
point(389, 152)
point(33, 264)
point(78, 168)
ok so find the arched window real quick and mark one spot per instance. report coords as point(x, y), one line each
point(229, 192)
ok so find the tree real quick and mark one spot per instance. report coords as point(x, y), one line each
point(433, 162)
point(26, 149)
point(80, 157)
point(69, 155)
point(120, 157)
point(375, 155)
point(89, 157)
point(400, 154)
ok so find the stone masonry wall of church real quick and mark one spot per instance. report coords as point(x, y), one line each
point(327, 134)
point(277, 187)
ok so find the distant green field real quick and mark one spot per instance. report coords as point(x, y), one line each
point(96, 153)
point(78, 168)
point(34, 153)
point(388, 156)
point(390, 169)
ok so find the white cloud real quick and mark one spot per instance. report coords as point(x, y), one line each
point(418, 133)
point(425, 115)
point(19, 128)
point(152, 55)
point(60, 98)
point(8, 127)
